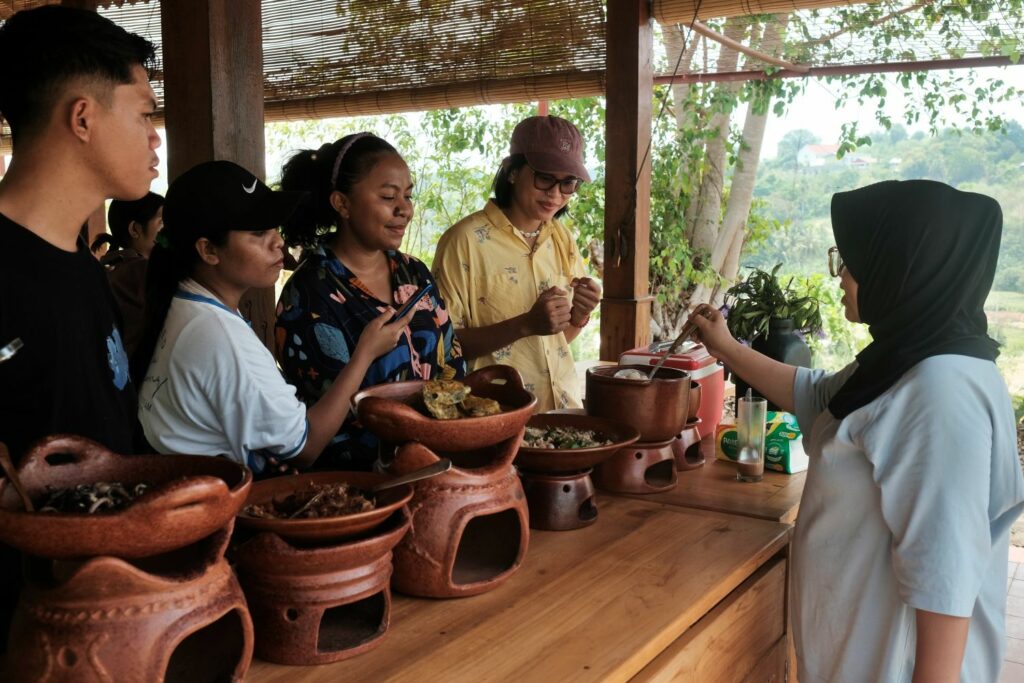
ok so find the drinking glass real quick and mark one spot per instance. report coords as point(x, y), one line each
point(750, 426)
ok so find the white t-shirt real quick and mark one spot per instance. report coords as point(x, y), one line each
point(908, 505)
point(213, 388)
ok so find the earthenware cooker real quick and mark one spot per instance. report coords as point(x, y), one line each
point(395, 412)
point(326, 529)
point(191, 497)
point(657, 407)
point(557, 460)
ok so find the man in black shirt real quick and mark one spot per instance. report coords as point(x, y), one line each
point(75, 92)
point(79, 106)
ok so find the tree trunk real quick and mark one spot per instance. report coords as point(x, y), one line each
point(725, 256)
point(709, 199)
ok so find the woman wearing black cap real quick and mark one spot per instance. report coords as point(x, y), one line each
point(511, 273)
point(360, 204)
point(900, 551)
point(210, 386)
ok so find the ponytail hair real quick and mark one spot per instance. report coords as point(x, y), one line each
point(169, 263)
point(335, 166)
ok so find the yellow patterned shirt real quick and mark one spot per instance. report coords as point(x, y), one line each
point(487, 273)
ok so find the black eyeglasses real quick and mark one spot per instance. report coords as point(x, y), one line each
point(545, 181)
point(835, 262)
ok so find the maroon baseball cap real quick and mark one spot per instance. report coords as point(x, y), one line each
point(550, 145)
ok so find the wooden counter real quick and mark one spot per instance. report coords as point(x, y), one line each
point(649, 590)
point(714, 487)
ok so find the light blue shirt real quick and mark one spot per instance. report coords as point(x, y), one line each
point(908, 505)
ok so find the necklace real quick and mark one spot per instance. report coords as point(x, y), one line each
point(531, 235)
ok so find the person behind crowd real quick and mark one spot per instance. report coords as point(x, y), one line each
point(352, 271)
point(99, 246)
point(900, 551)
point(507, 271)
point(134, 226)
point(210, 386)
point(80, 108)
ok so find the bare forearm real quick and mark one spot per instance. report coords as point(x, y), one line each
point(571, 332)
point(772, 379)
point(480, 341)
point(941, 641)
point(328, 414)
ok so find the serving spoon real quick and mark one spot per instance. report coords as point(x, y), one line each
point(688, 329)
point(432, 470)
point(439, 467)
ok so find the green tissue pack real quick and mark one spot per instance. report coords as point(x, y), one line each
point(783, 443)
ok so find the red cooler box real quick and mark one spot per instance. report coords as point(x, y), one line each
point(701, 365)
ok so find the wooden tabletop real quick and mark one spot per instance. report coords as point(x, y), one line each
point(594, 604)
point(714, 487)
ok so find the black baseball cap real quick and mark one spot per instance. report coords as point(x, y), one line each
point(215, 197)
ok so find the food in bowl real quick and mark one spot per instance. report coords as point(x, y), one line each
point(448, 399)
point(316, 501)
point(102, 496)
point(630, 373)
point(478, 406)
point(563, 438)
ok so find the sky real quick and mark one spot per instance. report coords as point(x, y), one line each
point(815, 109)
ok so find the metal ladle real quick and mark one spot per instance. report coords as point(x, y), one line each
point(688, 329)
point(439, 467)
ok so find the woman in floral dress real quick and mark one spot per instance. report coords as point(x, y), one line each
point(359, 207)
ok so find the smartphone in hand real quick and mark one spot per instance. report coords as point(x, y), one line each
point(423, 291)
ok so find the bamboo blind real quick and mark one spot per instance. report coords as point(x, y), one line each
point(368, 49)
point(329, 58)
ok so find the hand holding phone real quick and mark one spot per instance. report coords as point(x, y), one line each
point(423, 291)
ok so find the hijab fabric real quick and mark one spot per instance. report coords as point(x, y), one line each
point(924, 257)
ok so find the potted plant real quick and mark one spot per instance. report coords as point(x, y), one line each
point(772, 318)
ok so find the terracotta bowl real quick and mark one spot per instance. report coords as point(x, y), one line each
point(556, 460)
point(395, 412)
point(324, 529)
point(657, 407)
point(191, 497)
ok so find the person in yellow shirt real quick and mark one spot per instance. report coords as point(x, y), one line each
point(512, 274)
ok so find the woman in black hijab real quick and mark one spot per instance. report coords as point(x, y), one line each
point(900, 550)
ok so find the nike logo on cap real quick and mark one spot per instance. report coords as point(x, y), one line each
point(250, 190)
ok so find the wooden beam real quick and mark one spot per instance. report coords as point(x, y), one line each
point(213, 101)
point(838, 70)
point(685, 11)
point(626, 307)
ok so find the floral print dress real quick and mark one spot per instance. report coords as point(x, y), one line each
point(320, 315)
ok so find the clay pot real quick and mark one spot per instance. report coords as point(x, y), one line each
point(470, 525)
point(180, 617)
point(693, 401)
point(192, 496)
point(559, 502)
point(658, 407)
point(323, 604)
point(395, 412)
point(686, 447)
point(325, 530)
point(556, 460)
point(640, 468)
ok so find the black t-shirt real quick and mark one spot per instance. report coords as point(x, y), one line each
point(71, 376)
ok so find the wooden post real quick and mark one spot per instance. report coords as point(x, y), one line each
point(626, 307)
point(213, 98)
